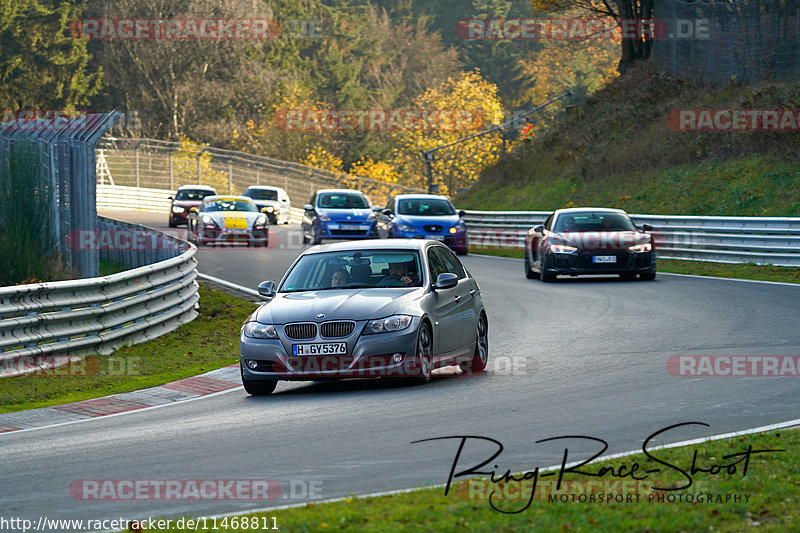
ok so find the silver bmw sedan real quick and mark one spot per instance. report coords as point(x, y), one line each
point(396, 308)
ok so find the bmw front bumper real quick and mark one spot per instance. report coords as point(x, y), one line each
point(376, 355)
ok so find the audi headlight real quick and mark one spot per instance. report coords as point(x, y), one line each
point(257, 330)
point(178, 209)
point(261, 220)
point(406, 228)
point(207, 220)
point(640, 248)
point(385, 325)
point(324, 218)
point(562, 249)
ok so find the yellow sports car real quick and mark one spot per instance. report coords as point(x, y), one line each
point(227, 219)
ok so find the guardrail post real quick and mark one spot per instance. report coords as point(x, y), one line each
point(136, 164)
point(171, 174)
point(230, 177)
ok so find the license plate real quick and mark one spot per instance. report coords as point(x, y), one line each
point(330, 348)
point(350, 227)
point(236, 230)
point(435, 237)
point(604, 259)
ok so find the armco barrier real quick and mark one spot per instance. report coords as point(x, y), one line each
point(43, 324)
point(759, 240)
point(155, 200)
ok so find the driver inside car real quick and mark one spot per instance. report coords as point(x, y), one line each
point(400, 270)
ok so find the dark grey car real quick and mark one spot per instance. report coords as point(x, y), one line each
point(391, 308)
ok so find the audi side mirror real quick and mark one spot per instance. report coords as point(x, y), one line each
point(308, 207)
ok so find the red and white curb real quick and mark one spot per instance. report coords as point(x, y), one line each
point(213, 382)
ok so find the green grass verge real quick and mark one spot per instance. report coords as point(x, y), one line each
point(699, 268)
point(106, 268)
point(772, 485)
point(211, 341)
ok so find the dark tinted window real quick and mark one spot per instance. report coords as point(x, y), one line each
point(229, 205)
point(261, 194)
point(588, 221)
point(426, 207)
point(451, 262)
point(339, 200)
point(193, 194)
point(435, 264)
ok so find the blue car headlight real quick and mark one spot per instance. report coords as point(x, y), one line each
point(389, 324)
point(257, 330)
point(324, 218)
point(458, 228)
point(406, 228)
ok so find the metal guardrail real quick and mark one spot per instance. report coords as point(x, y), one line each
point(154, 200)
point(157, 164)
point(759, 240)
point(45, 325)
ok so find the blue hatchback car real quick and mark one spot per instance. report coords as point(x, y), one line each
point(424, 216)
point(338, 214)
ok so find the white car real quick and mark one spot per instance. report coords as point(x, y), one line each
point(228, 219)
point(274, 199)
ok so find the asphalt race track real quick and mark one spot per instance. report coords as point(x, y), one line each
point(583, 356)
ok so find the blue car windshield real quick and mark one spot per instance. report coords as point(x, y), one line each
point(425, 207)
point(338, 200)
point(229, 205)
point(353, 269)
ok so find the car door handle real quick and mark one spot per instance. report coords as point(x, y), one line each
point(457, 298)
point(472, 292)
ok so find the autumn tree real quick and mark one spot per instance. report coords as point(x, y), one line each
point(461, 106)
point(632, 49)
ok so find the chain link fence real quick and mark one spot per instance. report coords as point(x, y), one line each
point(156, 164)
point(47, 190)
point(720, 42)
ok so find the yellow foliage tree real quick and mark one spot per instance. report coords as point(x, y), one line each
point(190, 158)
point(460, 107)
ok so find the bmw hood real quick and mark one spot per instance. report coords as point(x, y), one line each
point(338, 304)
point(233, 219)
point(348, 216)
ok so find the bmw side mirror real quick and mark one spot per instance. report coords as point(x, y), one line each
point(446, 280)
point(308, 207)
point(387, 212)
point(647, 227)
point(376, 209)
point(538, 229)
point(267, 289)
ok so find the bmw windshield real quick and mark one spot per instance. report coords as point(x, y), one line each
point(353, 269)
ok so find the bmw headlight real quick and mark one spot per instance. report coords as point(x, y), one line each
point(178, 209)
point(640, 248)
point(207, 220)
point(406, 228)
point(385, 325)
point(257, 330)
point(324, 218)
point(270, 209)
point(562, 249)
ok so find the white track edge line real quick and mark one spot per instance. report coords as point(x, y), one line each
point(761, 429)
